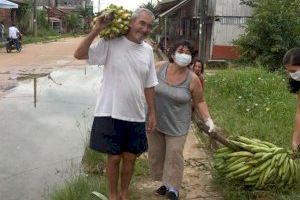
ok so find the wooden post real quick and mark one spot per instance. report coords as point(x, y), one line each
point(216, 134)
point(34, 19)
point(202, 30)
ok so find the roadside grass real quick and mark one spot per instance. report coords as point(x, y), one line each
point(44, 36)
point(254, 103)
point(92, 161)
point(80, 187)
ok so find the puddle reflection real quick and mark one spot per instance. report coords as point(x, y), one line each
point(39, 129)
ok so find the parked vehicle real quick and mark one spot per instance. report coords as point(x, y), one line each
point(11, 45)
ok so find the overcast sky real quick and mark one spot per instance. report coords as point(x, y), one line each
point(128, 4)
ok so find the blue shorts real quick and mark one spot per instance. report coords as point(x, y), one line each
point(114, 136)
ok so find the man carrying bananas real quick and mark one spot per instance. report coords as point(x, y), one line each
point(128, 80)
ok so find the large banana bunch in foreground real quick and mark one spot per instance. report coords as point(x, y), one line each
point(120, 22)
point(258, 164)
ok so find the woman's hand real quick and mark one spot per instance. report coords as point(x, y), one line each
point(209, 122)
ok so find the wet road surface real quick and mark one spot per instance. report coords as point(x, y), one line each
point(44, 125)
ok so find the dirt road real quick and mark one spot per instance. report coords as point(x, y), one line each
point(36, 59)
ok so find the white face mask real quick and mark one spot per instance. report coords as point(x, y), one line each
point(295, 75)
point(182, 59)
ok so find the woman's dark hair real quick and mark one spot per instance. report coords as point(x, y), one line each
point(185, 43)
point(196, 59)
point(292, 57)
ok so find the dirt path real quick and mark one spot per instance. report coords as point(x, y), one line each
point(37, 59)
point(197, 181)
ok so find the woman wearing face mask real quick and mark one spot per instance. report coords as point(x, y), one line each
point(177, 87)
point(291, 60)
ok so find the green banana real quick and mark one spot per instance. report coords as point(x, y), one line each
point(241, 154)
point(252, 178)
point(119, 25)
point(282, 158)
point(258, 164)
point(239, 171)
point(223, 150)
point(239, 160)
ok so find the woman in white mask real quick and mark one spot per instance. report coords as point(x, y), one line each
point(291, 61)
point(178, 87)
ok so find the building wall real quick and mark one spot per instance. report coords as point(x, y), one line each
point(5, 17)
point(224, 34)
point(231, 17)
point(231, 8)
point(62, 2)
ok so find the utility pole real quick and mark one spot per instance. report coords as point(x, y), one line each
point(202, 29)
point(34, 19)
point(98, 6)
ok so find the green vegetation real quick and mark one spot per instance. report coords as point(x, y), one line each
point(252, 102)
point(93, 161)
point(273, 29)
point(80, 187)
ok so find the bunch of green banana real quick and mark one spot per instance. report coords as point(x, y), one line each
point(257, 163)
point(120, 18)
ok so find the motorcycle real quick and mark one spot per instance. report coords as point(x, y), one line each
point(11, 45)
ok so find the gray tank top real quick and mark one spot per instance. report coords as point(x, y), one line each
point(173, 104)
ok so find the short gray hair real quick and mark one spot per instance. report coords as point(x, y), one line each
point(139, 10)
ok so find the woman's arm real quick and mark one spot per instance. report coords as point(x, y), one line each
point(296, 135)
point(159, 64)
point(198, 98)
point(199, 102)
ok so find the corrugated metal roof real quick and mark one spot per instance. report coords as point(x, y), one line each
point(174, 8)
point(165, 1)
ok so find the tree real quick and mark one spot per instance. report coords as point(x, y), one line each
point(150, 6)
point(273, 29)
point(87, 15)
point(251, 3)
point(24, 16)
point(73, 21)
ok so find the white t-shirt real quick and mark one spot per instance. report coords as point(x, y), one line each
point(128, 70)
point(13, 32)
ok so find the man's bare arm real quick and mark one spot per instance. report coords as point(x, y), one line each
point(83, 49)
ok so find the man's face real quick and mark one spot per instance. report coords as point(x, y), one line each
point(140, 27)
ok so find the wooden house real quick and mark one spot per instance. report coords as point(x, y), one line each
point(211, 25)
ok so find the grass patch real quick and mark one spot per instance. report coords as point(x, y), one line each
point(92, 161)
point(254, 103)
point(141, 168)
point(80, 188)
point(44, 36)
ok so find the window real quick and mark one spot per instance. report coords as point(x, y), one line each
point(233, 20)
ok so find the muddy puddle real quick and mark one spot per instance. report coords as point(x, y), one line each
point(44, 122)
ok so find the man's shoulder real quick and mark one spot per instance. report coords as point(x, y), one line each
point(147, 46)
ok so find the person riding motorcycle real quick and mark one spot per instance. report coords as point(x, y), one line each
point(14, 34)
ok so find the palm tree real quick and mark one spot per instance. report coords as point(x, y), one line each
point(150, 6)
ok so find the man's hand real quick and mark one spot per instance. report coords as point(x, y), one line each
point(151, 123)
point(102, 21)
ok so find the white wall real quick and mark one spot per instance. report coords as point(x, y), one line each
point(232, 8)
point(230, 25)
point(223, 34)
